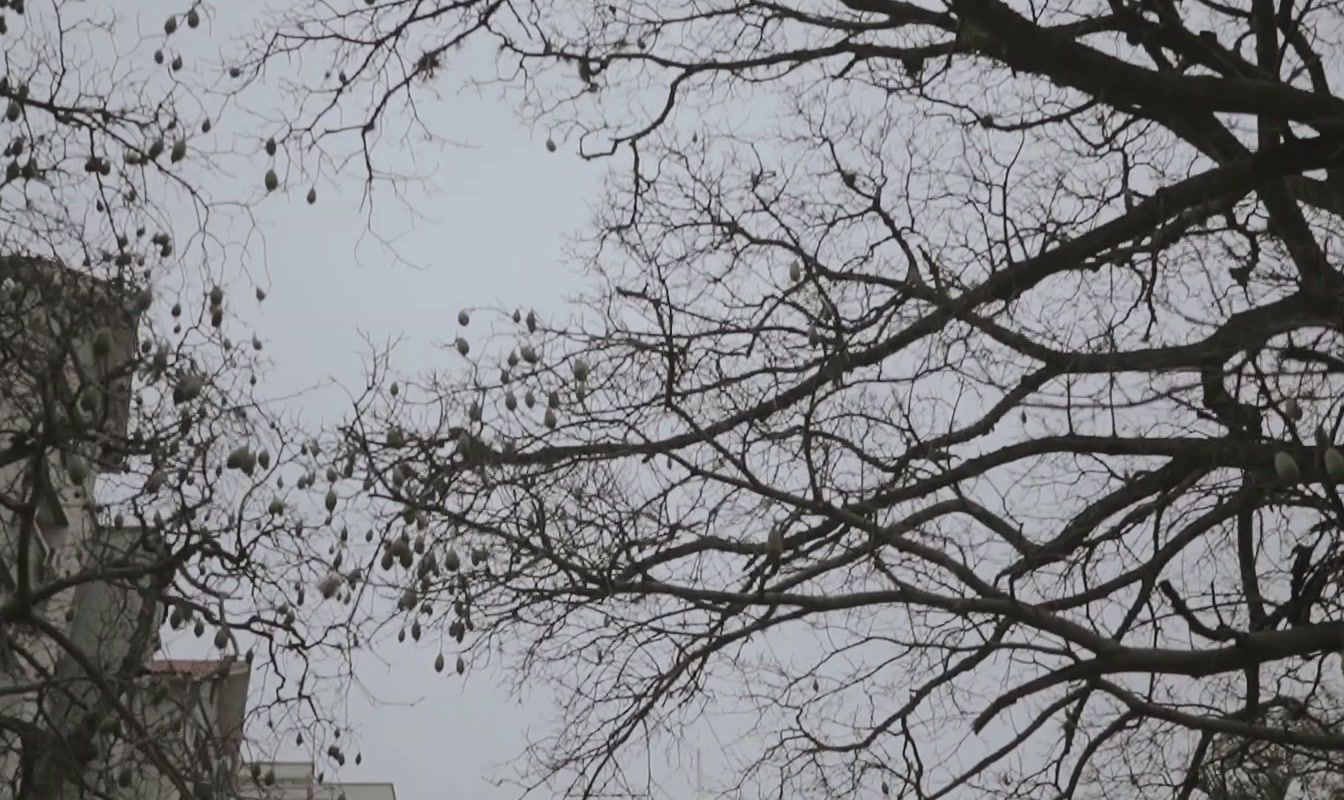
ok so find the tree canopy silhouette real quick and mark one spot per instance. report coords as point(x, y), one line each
point(956, 396)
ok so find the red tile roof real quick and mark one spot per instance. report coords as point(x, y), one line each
point(196, 669)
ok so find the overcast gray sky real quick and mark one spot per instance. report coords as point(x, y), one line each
point(500, 207)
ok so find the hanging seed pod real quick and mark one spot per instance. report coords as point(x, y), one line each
point(415, 631)
point(199, 629)
point(550, 144)
point(529, 354)
point(462, 346)
point(193, 18)
point(1292, 409)
point(1334, 464)
point(330, 500)
point(1286, 468)
point(774, 543)
point(531, 322)
point(463, 318)
point(270, 146)
point(549, 418)
point(461, 665)
point(102, 343)
point(451, 562)
point(329, 584)
point(312, 196)
point(580, 370)
point(77, 469)
point(513, 358)
point(222, 638)
point(510, 401)
point(276, 507)
point(529, 399)
point(438, 663)
point(272, 180)
point(796, 271)
point(188, 388)
point(170, 26)
point(179, 151)
point(553, 400)
point(261, 294)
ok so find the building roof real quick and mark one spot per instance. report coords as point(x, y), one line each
point(195, 668)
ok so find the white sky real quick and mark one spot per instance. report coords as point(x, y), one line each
point(500, 207)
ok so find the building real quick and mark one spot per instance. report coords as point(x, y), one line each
point(297, 780)
point(67, 346)
point(76, 655)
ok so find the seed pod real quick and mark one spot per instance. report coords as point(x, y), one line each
point(463, 318)
point(1334, 465)
point(222, 638)
point(510, 401)
point(272, 180)
point(179, 151)
point(329, 584)
point(462, 346)
point(550, 144)
point(1292, 409)
point(415, 631)
point(438, 663)
point(461, 665)
point(530, 399)
point(1286, 468)
point(580, 370)
point(549, 418)
point(188, 387)
point(312, 196)
point(276, 507)
point(199, 630)
point(270, 146)
point(531, 322)
point(529, 354)
point(102, 343)
point(451, 562)
point(261, 294)
point(330, 500)
point(193, 18)
point(77, 469)
point(796, 271)
point(170, 26)
point(774, 543)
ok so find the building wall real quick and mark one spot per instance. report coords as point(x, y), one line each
point(297, 780)
point(46, 333)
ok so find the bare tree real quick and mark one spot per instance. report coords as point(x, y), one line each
point(956, 397)
point(146, 478)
